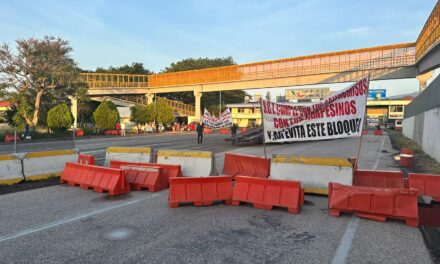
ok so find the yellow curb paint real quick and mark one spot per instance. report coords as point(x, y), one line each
point(10, 181)
point(189, 154)
point(128, 150)
point(341, 162)
point(323, 191)
point(42, 154)
point(7, 157)
point(44, 176)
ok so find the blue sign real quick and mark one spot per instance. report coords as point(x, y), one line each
point(377, 93)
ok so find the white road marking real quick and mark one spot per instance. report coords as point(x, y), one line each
point(66, 221)
point(346, 242)
point(344, 247)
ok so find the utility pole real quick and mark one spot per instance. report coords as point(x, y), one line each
point(220, 105)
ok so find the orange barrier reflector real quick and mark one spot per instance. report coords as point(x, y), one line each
point(100, 179)
point(378, 132)
point(224, 131)
point(79, 133)
point(201, 191)
point(112, 132)
point(245, 165)
point(11, 138)
point(167, 169)
point(266, 193)
point(426, 184)
point(86, 159)
point(406, 157)
point(384, 179)
point(374, 203)
point(145, 177)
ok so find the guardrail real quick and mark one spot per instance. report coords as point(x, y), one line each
point(430, 33)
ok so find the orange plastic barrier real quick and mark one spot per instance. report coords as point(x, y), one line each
point(79, 133)
point(266, 193)
point(86, 159)
point(378, 132)
point(245, 165)
point(384, 179)
point(207, 131)
point(201, 191)
point(145, 177)
point(374, 203)
point(167, 170)
point(99, 178)
point(426, 184)
point(406, 157)
point(11, 138)
point(112, 132)
point(224, 131)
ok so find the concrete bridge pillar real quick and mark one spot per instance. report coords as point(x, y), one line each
point(198, 96)
point(150, 98)
point(423, 79)
point(74, 110)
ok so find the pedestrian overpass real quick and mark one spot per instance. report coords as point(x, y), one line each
point(399, 61)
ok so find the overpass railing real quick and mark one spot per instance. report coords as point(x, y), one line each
point(430, 33)
point(102, 80)
point(392, 56)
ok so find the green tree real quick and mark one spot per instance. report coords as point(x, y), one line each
point(60, 117)
point(208, 99)
point(134, 68)
point(106, 115)
point(161, 112)
point(41, 72)
point(141, 114)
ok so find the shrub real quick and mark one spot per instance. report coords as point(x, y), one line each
point(60, 117)
point(106, 115)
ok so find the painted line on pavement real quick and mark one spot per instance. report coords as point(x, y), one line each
point(66, 221)
point(346, 242)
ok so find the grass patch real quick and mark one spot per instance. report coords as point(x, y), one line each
point(423, 163)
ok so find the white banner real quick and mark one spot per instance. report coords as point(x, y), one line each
point(337, 116)
point(225, 119)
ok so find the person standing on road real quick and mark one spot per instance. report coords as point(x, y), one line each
point(200, 128)
point(234, 132)
point(123, 129)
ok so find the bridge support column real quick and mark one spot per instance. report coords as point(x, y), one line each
point(423, 79)
point(74, 110)
point(150, 98)
point(198, 96)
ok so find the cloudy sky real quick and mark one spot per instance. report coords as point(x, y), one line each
point(157, 33)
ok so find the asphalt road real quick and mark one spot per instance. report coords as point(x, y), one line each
point(61, 224)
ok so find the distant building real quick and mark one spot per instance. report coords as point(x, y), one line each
point(306, 94)
point(246, 115)
point(389, 111)
point(281, 99)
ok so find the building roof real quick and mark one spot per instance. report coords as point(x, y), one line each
point(251, 104)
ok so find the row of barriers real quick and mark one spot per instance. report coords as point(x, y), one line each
point(30, 166)
point(264, 182)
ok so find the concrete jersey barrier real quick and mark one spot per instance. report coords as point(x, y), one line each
point(129, 154)
point(10, 170)
point(46, 164)
point(314, 173)
point(193, 163)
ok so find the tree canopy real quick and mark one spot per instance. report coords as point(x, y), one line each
point(60, 117)
point(141, 114)
point(38, 76)
point(161, 111)
point(106, 115)
point(134, 68)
